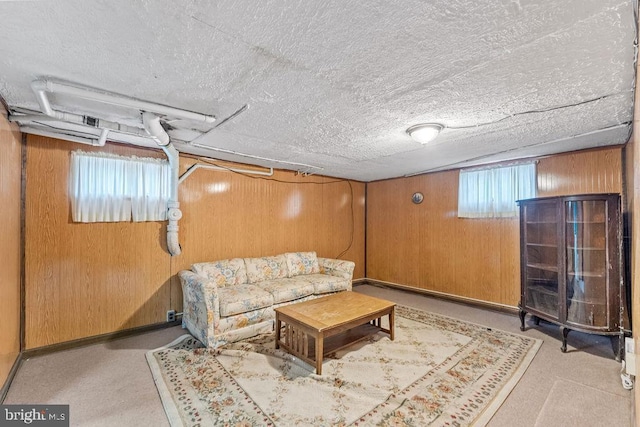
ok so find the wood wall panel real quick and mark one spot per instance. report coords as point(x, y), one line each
point(632, 185)
point(592, 171)
point(10, 250)
point(229, 215)
point(88, 279)
point(85, 279)
point(427, 246)
point(633, 193)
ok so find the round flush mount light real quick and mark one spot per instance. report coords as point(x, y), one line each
point(424, 132)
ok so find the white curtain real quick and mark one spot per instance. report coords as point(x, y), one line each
point(489, 193)
point(108, 188)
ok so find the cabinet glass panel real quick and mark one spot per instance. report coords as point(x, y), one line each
point(586, 243)
point(542, 257)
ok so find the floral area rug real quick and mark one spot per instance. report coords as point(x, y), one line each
point(438, 371)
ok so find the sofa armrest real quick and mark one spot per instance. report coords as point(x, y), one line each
point(201, 305)
point(337, 267)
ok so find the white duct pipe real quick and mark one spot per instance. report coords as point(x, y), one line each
point(42, 86)
point(39, 88)
point(79, 139)
point(103, 138)
point(197, 166)
point(251, 156)
point(80, 120)
point(152, 125)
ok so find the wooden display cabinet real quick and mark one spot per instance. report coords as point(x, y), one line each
point(571, 264)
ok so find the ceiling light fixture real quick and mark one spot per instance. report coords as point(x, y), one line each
point(424, 132)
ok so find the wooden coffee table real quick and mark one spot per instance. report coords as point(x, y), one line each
point(320, 326)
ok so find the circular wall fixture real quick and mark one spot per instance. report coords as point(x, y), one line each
point(417, 198)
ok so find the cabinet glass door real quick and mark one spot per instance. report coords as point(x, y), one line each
point(541, 257)
point(586, 243)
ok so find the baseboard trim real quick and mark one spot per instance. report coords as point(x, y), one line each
point(361, 281)
point(142, 329)
point(97, 339)
point(449, 297)
point(12, 373)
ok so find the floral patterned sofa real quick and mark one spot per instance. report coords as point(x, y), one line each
point(233, 299)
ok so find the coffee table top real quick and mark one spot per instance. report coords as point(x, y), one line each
point(333, 310)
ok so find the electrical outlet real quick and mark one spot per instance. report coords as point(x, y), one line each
point(630, 356)
point(171, 316)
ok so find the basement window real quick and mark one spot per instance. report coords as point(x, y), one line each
point(492, 192)
point(110, 188)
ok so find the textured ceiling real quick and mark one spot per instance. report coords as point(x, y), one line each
point(335, 84)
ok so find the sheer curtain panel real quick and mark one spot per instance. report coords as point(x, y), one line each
point(491, 193)
point(109, 188)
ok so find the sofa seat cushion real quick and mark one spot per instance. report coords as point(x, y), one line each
point(300, 263)
point(226, 272)
point(324, 284)
point(244, 320)
point(242, 298)
point(290, 289)
point(266, 268)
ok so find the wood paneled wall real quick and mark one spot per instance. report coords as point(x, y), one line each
point(237, 215)
point(10, 249)
point(428, 247)
point(584, 172)
point(83, 280)
point(632, 185)
point(633, 195)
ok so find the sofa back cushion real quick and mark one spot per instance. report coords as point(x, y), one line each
point(226, 272)
point(302, 263)
point(266, 268)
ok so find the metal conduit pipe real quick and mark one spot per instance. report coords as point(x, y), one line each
point(152, 125)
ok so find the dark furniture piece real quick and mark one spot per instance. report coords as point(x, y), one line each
point(571, 264)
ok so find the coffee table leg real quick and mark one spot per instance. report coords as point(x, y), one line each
point(392, 318)
point(278, 328)
point(319, 351)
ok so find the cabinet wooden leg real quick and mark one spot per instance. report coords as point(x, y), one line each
point(522, 314)
point(565, 332)
point(618, 348)
point(536, 320)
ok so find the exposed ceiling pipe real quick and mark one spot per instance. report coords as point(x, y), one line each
point(103, 138)
point(197, 166)
point(99, 142)
point(152, 125)
point(236, 153)
point(150, 122)
point(88, 121)
point(40, 87)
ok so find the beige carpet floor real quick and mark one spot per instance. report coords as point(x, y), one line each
point(574, 404)
point(109, 384)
